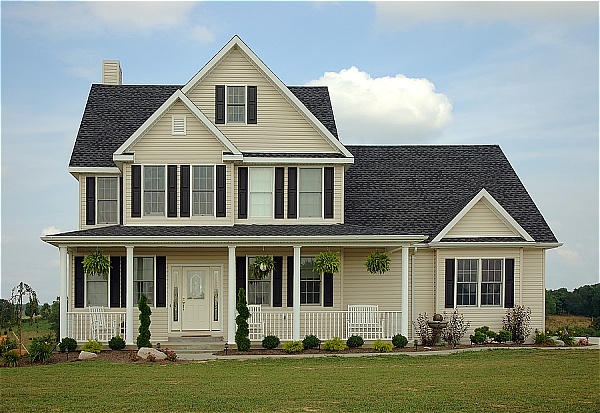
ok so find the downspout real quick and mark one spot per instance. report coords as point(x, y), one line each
point(412, 294)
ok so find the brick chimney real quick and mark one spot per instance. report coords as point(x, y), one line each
point(111, 72)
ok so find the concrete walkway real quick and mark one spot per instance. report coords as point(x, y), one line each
point(594, 345)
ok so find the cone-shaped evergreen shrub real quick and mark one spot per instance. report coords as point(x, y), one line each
point(143, 339)
point(242, 332)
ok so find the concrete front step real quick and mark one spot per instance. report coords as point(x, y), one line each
point(194, 343)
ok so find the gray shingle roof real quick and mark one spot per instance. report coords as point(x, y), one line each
point(113, 113)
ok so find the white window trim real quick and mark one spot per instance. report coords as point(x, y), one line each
point(153, 279)
point(272, 216)
point(479, 278)
point(321, 280)
point(164, 214)
point(245, 122)
point(107, 305)
point(174, 120)
point(214, 214)
point(322, 194)
point(98, 200)
point(248, 258)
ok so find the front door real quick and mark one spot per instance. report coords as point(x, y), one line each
point(196, 298)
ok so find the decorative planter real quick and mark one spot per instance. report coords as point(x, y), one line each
point(378, 262)
point(262, 266)
point(327, 262)
point(96, 264)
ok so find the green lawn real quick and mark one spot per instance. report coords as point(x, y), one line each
point(495, 380)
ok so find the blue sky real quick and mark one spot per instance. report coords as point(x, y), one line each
point(521, 75)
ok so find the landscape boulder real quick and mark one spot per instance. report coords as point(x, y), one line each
point(144, 351)
point(86, 355)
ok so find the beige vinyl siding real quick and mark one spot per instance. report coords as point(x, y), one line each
point(490, 316)
point(158, 324)
point(338, 199)
point(481, 221)
point(362, 287)
point(424, 285)
point(280, 125)
point(534, 293)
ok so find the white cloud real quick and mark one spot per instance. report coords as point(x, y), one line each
point(568, 255)
point(202, 34)
point(385, 109)
point(400, 15)
point(141, 15)
point(50, 231)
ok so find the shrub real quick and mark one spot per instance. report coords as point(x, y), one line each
point(270, 342)
point(456, 328)
point(382, 346)
point(517, 321)
point(399, 341)
point(489, 334)
point(503, 336)
point(334, 344)
point(293, 346)
point(6, 345)
point(311, 341)
point(171, 355)
point(423, 330)
point(355, 341)
point(67, 344)
point(143, 339)
point(542, 338)
point(565, 337)
point(11, 358)
point(41, 349)
point(92, 346)
point(133, 356)
point(477, 338)
point(241, 334)
point(116, 343)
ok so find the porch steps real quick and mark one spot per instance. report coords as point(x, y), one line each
point(194, 344)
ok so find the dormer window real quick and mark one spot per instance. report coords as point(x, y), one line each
point(178, 125)
point(235, 104)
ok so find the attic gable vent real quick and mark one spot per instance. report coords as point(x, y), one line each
point(178, 125)
point(111, 72)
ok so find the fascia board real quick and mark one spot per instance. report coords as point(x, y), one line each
point(312, 161)
point(161, 111)
point(109, 170)
point(495, 206)
point(237, 41)
point(495, 244)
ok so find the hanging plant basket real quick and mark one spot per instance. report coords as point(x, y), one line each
point(327, 262)
point(378, 262)
point(96, 264)
point(262, 265)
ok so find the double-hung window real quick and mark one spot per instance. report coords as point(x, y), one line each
point(310, 193)
point(154, 190)
point(310, 282)
point(97, 290)
point(479, 282)
point(143, 278)
point(203, 190)
point(236, 104)
point(107, 198)
point(259, 289)
point(261, 192)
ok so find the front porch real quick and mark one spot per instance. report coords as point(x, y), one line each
point(323, 324)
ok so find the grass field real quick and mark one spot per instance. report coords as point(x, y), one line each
point(492, 380)
point(555, 321)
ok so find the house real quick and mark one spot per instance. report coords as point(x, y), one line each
point(183, 186)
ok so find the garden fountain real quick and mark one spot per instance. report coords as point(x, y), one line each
point(437, 325)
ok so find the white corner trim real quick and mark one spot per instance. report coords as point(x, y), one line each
point(495, 207)
point(161, 111)
point(236, 41)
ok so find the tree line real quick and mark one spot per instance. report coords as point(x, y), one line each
point(583, 301)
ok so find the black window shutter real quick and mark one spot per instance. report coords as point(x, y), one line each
point(449, 283)
point(277, 281)
point(136, 191)
point(279, 193)
point(221, 191)
point(220, 104)
point(292, 192)
point(161, 281)
point(184, 191)
point(328, 193)
point(115, 282)
point(243, 192)
point(123, 282)
point(172, 191)
point(290, 281)
point(509, 283)
point(79, 283)
point(90, 200)
point(121, 212)
point(327, 289)
point(240, 275)
point(252, 107)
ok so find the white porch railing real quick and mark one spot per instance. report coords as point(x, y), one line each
point(326, 324)
point(80, 327)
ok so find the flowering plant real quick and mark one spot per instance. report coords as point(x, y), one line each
point(151, 357)
point(584, 342)
point(565, 336)
point(171, 355)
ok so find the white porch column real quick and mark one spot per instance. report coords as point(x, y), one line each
point(64, 274)
point(404, 319)
point(129, 299)
point(231, 296)
point(296, 324)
